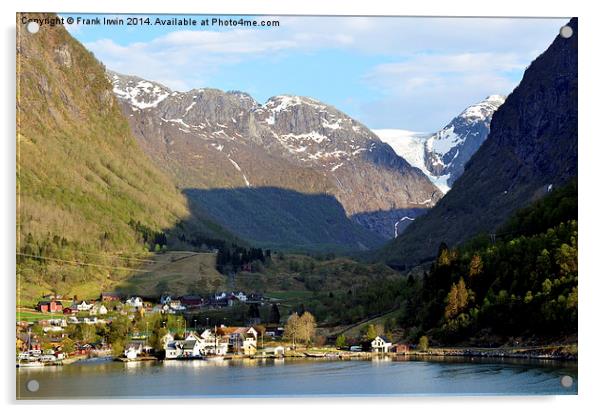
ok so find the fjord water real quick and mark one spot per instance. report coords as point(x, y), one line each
point(248, 378)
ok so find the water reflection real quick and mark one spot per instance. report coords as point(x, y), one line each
point(250, 377)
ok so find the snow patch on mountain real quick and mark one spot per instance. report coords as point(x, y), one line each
point(244, 177)
point(141, 94)
point(410, 145)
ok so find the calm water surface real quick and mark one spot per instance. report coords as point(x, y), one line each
point(199, 378)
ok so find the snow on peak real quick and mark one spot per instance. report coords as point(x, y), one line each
point(483, 110)
point(281, 103)
point(497, 99)
point(140, 93)
point(448, 138)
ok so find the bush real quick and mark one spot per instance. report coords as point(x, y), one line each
point(423, 343)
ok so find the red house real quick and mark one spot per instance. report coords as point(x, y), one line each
point(51, 306)
point(70, 310)
point(191, 301)
point(400, 348)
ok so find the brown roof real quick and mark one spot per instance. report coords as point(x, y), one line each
point(224, 331)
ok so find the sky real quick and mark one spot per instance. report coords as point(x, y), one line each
point(387, 72)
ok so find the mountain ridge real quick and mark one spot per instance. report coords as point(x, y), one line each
point(292, 142)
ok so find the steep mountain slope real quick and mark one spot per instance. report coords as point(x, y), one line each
point(213, 140)
point(442, 155)
point(522, 288)
point(532, 147)
point(81, 176)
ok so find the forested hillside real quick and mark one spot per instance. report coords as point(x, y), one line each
point(523, 283)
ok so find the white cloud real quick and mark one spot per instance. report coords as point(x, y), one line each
point(432, 89)
point(438, 65)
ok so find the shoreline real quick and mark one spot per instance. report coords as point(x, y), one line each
point(470, 353)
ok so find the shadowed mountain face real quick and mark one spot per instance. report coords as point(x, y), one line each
point(285, 217)
point(532, 147)
point(209, 139)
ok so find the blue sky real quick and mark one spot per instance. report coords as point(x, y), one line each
point(391, 72)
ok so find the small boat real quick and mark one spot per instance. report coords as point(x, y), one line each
point(315, 355)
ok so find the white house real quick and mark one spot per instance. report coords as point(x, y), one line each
point(61, 322)
point(193, 346)
point(380, 345)
point(135, 302)
point(99, 309)
point(176, 305)
point(53, 329)
point(84, 306)
point(133, 350)
point(240, 339)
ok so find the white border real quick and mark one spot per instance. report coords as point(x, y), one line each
point(589, 151)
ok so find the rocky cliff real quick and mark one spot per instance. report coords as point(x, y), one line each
point(531, 149)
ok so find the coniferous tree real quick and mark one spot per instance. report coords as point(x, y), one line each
point(274, 315)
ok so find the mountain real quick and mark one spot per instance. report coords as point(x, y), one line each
point(442, 155)
point(412, 147)
point(226, 142)
point(448, 150)
point(531, 149)
point(82, 179)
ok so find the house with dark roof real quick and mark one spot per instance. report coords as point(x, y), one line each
point(191, 301)
point(51, 306)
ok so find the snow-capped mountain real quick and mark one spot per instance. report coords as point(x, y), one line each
point(442, 155)
point(208, 139)
point(449, 149)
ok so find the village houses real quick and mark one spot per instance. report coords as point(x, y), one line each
point(194, 346)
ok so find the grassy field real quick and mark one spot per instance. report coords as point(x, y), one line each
point(26, 315)
point(177, 273)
